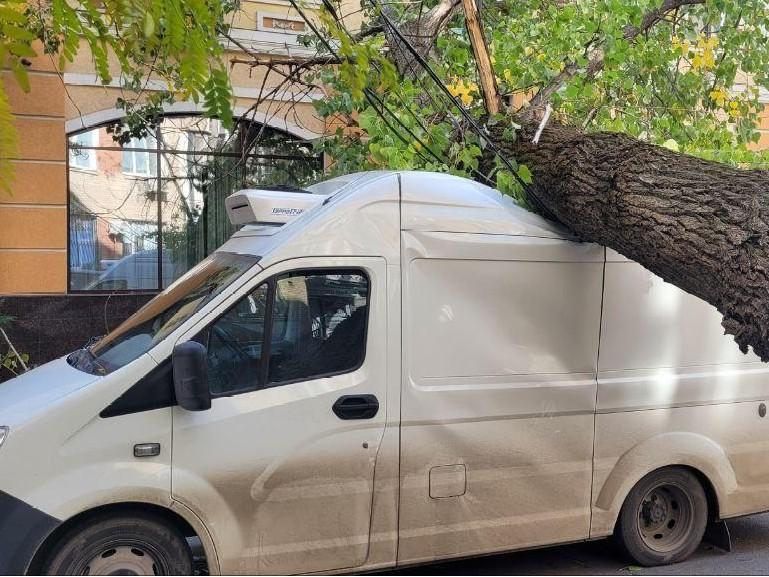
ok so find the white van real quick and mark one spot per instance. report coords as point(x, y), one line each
point(396, 368)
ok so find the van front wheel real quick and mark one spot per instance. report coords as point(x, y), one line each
point(137, 544)
point(664, 517)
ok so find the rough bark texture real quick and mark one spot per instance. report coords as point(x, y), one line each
point(699, 225)
point(421, 33)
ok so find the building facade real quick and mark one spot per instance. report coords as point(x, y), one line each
point(92, 229)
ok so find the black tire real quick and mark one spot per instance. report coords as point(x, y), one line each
point(130, 544)
point(663, 518)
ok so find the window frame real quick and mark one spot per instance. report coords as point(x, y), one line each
point(92, 148)
point(203, 335)
point(245, 152)
point(130, 151)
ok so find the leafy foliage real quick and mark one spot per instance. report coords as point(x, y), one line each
point(691, 82)
point(11, 361)
point(176, 41)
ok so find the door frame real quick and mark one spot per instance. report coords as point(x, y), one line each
point(384, 279)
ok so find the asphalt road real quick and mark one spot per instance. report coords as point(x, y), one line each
point(749, 556)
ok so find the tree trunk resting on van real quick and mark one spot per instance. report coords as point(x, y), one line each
point(702, 226)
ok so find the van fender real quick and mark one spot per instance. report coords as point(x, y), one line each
point(667, 449)
point(141, 496)
point(206, 540)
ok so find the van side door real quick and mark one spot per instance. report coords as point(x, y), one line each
point(498, 399)
point(281, 468)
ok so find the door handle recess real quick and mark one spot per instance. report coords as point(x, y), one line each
point(350, 407)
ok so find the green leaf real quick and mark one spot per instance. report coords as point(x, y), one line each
point(524, 173)
point(149, 25)
point(21, 76)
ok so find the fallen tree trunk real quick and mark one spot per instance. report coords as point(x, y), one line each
point(702, 226)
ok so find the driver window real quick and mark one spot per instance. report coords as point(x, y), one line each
point(235, 345)
point(317, 327)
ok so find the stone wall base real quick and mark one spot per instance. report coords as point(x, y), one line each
point(47, 327)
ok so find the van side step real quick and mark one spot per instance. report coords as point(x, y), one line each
point(717, 534)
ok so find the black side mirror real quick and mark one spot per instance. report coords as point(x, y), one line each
point(190, 363)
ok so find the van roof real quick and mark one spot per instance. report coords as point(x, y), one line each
point(440, 202)
point(355, 203)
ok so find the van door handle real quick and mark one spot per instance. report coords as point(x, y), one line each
point(350, 407)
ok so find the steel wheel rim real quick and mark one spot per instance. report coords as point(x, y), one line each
point(665, 517)
point(123, 559)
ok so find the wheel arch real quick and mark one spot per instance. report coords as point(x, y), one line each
point(696, 453)
point(169, 515)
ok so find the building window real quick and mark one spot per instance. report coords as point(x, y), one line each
point(140, 215)
point(138, 158)
point(81, 153)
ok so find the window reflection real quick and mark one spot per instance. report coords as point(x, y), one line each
point(144, 213)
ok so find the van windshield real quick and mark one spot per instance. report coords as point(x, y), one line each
point(164, 313)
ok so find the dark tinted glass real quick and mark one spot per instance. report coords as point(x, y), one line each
point(319, 324)
point(235, 345)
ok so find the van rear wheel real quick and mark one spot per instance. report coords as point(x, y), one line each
point(136, 544)
point(664, 517)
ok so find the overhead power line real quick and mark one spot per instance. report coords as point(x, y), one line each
point(443, 88)
point(374, 99)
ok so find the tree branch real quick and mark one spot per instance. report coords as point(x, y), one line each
point(421, 33)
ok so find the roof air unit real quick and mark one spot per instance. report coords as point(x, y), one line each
point(269, 206)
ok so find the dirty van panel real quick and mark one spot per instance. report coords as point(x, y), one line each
point(500, 359)
point(674, 389)
point(649, 323)
point(284, 474)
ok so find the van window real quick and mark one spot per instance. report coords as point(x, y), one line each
point(317, 328)
point(318, 325)
point(235, 345)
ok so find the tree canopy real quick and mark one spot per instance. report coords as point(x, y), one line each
point(686, 75)
point(174, 40)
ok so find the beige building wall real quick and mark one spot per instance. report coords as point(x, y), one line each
point(33, 219)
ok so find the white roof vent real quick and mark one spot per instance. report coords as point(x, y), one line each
point(270, 206)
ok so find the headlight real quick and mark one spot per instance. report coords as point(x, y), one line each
point(3, 435)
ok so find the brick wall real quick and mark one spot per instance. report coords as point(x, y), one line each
point(33, 219)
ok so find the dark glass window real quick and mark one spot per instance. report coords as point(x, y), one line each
point(142, 214)
point(317, 328)
point(235, 345)
point(318, 325)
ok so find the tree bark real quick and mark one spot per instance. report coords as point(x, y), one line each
point(702, 226)
point(421, 33)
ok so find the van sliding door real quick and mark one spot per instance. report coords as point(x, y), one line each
point(500, 352)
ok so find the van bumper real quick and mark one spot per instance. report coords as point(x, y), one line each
point(22, 530)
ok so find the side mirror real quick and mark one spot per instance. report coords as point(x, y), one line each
point(190, 364)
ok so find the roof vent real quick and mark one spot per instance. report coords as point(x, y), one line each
point(270, 206)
